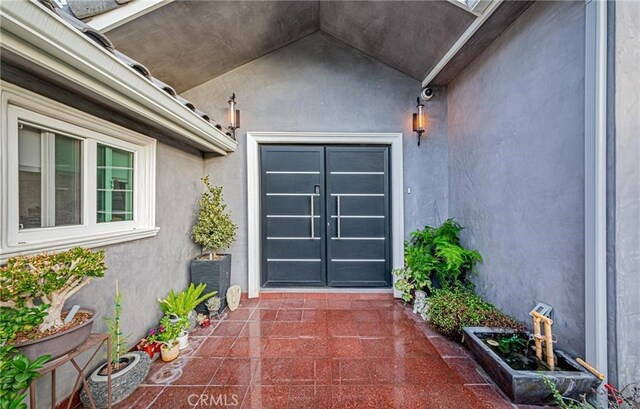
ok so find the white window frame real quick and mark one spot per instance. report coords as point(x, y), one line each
point(20, 105)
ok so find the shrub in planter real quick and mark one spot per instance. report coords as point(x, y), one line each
point(16, 370)
point(215, 232)
point(128, 370)
point(449, 310)
point(51, 279)
point(434, 259)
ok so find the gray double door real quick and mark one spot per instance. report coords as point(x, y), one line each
point(325, 216)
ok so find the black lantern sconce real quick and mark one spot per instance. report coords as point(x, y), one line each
point(234, 116)
point(419, 121)
point(419, 118)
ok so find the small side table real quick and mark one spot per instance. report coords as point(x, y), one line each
point(94, 341)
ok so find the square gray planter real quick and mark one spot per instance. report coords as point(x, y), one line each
point(528, 387)
point(216, 275)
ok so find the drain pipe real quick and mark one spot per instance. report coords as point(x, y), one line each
point(595, 184)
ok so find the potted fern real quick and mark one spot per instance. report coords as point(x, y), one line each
point(434, 258)
point(214, 231)
point(128, 369)
point(179, 308)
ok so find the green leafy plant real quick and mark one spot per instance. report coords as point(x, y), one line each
point(507, 345)
point(180, 305)
point(434, 254)
point(16, 374)
point(16, 370)
point(168, 332)
point(214, 230)
point(49, 278)
point(407, 282)
point(449, 310)
point(612, 398)
point(118, 339)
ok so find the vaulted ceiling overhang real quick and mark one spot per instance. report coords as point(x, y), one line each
point(190, 42)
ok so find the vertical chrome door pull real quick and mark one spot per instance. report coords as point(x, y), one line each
point(338, 215)
point(313, 218)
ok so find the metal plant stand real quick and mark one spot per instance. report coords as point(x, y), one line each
point(94, 341)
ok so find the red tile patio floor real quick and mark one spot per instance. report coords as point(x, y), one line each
point(310, 350)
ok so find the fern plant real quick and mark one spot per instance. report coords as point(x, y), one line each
point(180, 305)
point(118, 339)
point(214, 230)
point(434, 255)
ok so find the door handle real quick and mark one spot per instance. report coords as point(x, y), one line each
point(338, 214)
point(313, 217)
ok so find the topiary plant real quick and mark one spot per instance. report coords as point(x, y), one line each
point(214, 230)
point(49, 278)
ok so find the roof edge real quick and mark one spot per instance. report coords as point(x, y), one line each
point(35, 33)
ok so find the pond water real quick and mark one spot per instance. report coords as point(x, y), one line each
point(518, 351)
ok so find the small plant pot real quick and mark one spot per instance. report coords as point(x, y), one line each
point(183, 340)
point(150, 350)
point(169, 354)
point(123, 382)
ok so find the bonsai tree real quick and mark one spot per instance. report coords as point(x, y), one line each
point(49, 278)
point(214, 230)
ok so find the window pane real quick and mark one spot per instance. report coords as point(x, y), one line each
point(115, 184)
point(29, 177)
point(68, 181)
point(49, 178)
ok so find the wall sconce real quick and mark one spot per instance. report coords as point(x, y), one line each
point(419, 121)
point(234, 116)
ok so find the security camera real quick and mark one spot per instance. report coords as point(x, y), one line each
point(426, 94)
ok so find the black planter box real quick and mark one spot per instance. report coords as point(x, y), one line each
point(528, 387)
point(216, 275)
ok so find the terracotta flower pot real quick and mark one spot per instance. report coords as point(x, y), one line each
point(150, 350)
point(169, 354)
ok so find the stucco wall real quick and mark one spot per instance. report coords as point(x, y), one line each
point(516, 165)
point(145, 269)
point(322, 84)
point(625, 227)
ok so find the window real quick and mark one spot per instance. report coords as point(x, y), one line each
point(115, 184)
point(71, 179)
point(49, 178)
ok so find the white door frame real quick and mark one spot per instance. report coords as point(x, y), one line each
point(255, 139)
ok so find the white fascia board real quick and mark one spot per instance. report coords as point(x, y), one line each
point(466, 36)
point(123, 14)
point(33, 32)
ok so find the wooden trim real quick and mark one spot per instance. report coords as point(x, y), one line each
point(254, 139)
